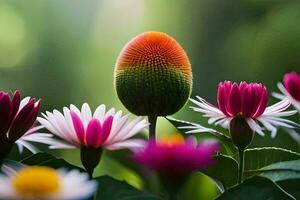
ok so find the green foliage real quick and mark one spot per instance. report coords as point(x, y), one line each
point(112, 189)
point(223, 172)
point(257, 158)
point(258, 188)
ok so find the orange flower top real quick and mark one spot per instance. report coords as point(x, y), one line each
point(153, 49)
point(173, 140)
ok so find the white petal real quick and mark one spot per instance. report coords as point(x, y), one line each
point(76, 185)
point(100, 112)
point(255, 127)
point(86, 114)
point(24, 102)
point(132, 144)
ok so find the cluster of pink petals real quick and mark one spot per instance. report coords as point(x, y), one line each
point(249, 101)
point(109, 130)
point(17, 116)
point(17, 120)
point(177, 160)
point(291, 89)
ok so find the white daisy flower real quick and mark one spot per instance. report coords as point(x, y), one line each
point(80, 128)
point(38, 183)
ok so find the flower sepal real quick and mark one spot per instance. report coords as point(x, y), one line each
point(241, 133)
point(90, 158)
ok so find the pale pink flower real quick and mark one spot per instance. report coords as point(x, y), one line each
point(80, 128)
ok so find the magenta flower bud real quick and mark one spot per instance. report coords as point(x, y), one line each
point(248, 100)
point(290, 89)
point(291, 82)
point(16, 120)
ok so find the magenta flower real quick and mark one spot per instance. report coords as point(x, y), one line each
point(16, 121)
point(108, 130)
point(290, 89)
point(177, 159)
point(248, 101)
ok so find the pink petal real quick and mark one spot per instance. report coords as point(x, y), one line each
point(106, 128)
point(16, 103)
point(93, 132)
point(24, 120)
point(291, 82)
point(227, 88)
point(222, 98)
point(248, 101)
point(263, 102)
point(235, 100)
point(257, 90)
point(5, 108)
point(78, 126)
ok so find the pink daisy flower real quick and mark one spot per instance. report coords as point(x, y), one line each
point(176, 158)
point(16, 123)
point(248, 101)
point(290, 89)
point(80, 128)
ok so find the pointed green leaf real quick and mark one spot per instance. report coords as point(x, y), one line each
point(280, 171)
point(286, 174)
point(112, 189)
point(258, 188)
point(257, 158)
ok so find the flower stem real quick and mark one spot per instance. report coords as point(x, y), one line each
point(241, 165)
point(152, 133)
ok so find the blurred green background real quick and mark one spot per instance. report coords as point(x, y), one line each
point(64, 51)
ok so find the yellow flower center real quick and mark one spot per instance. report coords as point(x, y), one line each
point(37, 181)
point(175, 139)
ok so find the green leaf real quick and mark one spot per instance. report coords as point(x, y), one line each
point(279, 171)
point(45, 159)
point(260, 157)
point(286, 174)
point(224, 171)
point(258, 188)
point(112, 189)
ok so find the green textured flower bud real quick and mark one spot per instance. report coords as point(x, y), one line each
point(153, 75)
point(241, 133)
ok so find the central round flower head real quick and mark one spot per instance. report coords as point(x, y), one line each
point(153, 75)
point(246, 100)
point(37, 181)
